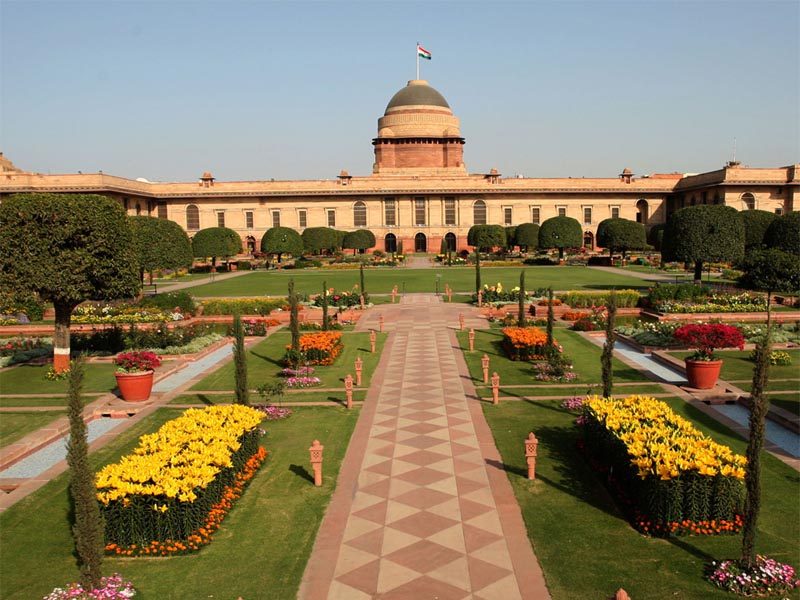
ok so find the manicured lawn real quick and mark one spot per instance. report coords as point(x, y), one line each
point(568, 391)
point(586, 547)
point(16, 425)
point(31, 379)
point(260, 551)
point(307, 396)
point(59, 401)
point(381, 281)
point(584, 354)
point(737, 366)
point(265, 361)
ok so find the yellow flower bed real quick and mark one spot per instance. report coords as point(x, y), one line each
point(661, 443)
point(185, 454)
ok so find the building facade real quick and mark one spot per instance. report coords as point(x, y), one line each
point(420, 192)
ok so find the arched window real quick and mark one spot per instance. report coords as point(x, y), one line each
point(420, 243)
point(643, 211)
point(749, 201)
point(250, 242)
point(588, 240)
point(450, 240)
point(390, 243)
point(479, 212)
point(192, 217)
point(359, 214)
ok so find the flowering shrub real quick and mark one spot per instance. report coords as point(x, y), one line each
point(344, 299)
point(111, 588)
point(497, 293)
point(524, 343)
point(137, 362)
point(179, 481)
point(243, 306)
point(319, 348)
point(767, 577)
point(672, 479)
point(54, 375)
point(574, 403)
point(575, 315)
point(10, 346)
point(273, 413)
point(651, 333)
point(253, 327)
point(777, 358)
point(87, 314)
point(556, 371)
point(556, 302)
point(708, 337)
point(715, 303)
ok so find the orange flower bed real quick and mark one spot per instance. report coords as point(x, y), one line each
point(524, 343)
point(556, 302)
point(574, 315)
point(321, 347)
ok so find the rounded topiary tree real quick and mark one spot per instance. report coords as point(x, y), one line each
point(216, 242)
point(621, 235)
point(358, 240)
point(486, 237)
point(697, 234)
point(317, 239)
point(527, 236)
point(511, 237)
point(67, 248)
point(655, 236)
point(282, 240)
point(756, 223)
point(784, 233)
point(560, 233)
point(160, 244)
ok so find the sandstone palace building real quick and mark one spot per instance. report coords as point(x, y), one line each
point(420, 190)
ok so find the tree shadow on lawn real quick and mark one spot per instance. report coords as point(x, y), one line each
point(301, 471)
point(278, 363)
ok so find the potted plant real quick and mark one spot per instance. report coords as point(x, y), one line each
point(135, 374)
point(703, 367)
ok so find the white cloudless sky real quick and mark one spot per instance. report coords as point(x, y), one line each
point(262, 90)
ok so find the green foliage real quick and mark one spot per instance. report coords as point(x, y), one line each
point(682, 292)
point(13, 302)
point(169, 301)
point(216, 242)
point(756, 223)
point(486, 237)
point(560, 233)
point(655, 236)
point(324, 297)
point(771, 270)
point(317, 239)
point(87, 527)
point(784, 233)
point(703, 233)
point(607, 357)
point(160, 244)
point(360, 239)
point(578, 299)
point(527, 236)
point(477, 270)
point(245, 306)
point(511, 237)
point(521, 307)
point(240, 363)
point(294, 323)
point(282, 240)
point(621, 235)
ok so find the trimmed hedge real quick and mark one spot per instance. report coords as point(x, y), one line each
point(243, 306)
point(579, 299)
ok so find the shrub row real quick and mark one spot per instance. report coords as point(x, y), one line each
point(243, 306)
point(579, 299)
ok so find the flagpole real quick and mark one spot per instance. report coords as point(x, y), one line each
point(417, 53)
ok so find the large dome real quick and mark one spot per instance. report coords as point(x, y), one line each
point(417, 93)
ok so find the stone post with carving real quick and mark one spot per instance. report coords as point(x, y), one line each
point(530, 454)
point(359, 368)
point(495, 388)
point(471, 340)
point(348, 387)
point(485, 366)
point(316, 461)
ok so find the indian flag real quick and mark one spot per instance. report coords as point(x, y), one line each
point(421, 52)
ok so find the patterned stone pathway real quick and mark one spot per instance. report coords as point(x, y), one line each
point(422, 510)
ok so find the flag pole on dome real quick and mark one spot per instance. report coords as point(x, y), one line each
point(424, 54)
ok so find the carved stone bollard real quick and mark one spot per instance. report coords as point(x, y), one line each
point(471, 340)
point(316, 461)
point(621, 595)
point(348, 387)
point(359, 368)
point(450, 296)
point(495, 388)
point(530, 454)
point(380, 323)
point(394, 293)
point(480, 298)
point(372, 340)
point(485, 366)
point(361, 300)
point(461, 321)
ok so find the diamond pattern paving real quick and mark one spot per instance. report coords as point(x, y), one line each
point(419, 519)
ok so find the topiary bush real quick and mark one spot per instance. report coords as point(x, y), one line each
point(169, 301)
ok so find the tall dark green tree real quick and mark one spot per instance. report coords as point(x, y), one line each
point(527, 236)
point(324, 300)
point(607, 356)
point(359, 240)
point(67, 248)
point(477, 270)
point(560, 233)
point(703, 233)
point(87, 526)
point(771, 270)
point(621, 235)
point(522, 296)
point(784, 233)
point(756, 223)
point(216, 243)
point(294, 324)
point(278, 241)
point(160, 244)
point(361, 278)
point(317, 239)
point(511, 237)
point(486, 237)
point(550, 318)
point(240, 362)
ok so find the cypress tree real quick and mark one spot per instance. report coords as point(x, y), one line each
point(324, 306)
point(294, 324)
point(240, 362)
point(759, 406)
point(608, 347)
point(477, 271)
point(550, 317)
point(361, 274)
point(87, 526)
point(521, 316)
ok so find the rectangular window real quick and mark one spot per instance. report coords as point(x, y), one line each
point(331, 217)
point(507, 215)
point(779, 211)
point(449, 210)
point(419, 211)
point(302, 219)
point(562, 211)
point(220, 219)
point(615, 212)
point(276, 218)
point(162, 211)
point(536, 215)
point(389, 212)
point(248, 219)
point(587, 215)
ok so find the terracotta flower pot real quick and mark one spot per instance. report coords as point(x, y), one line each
point(135, 387)
point(702, 374)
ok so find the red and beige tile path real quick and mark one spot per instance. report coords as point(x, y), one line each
point(421, 509)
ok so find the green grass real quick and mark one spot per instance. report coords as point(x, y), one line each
point(59, 401)
point(31, 379)
point(16, 425)
point(737, 366)
point(568, 391)
point(585, 546)
point(381, 281)
point(260, 551)
point(308, 395)
point(585, 357)
point(265, 361)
